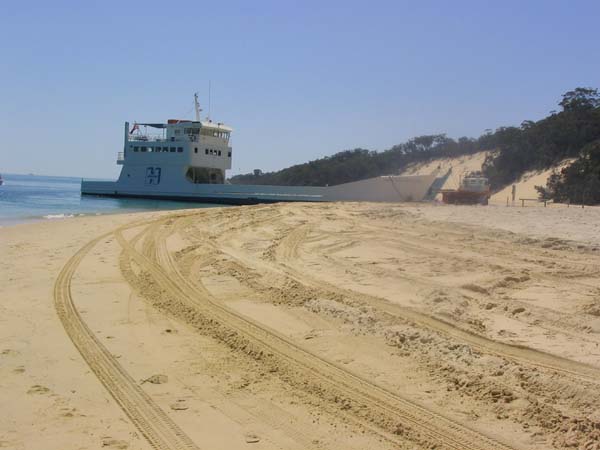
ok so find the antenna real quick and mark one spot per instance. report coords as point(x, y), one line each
point(208, 99)
point(197, 107)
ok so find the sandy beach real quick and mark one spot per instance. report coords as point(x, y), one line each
point(303, 326)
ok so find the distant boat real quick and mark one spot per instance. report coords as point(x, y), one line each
point(1, 180)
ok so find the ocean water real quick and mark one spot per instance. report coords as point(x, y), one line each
point(27, 198)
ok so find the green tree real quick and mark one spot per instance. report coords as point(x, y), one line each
point(580, 99)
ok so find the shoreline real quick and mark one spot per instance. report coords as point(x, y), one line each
point(58, 217)
point(11, 222)
point(27, 199)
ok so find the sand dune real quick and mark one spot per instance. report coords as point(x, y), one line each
point(460, 166)
point(303, 326)
point(524, 187)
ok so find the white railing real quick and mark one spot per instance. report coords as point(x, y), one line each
point(145, 138)
point(149, 138)
point(120, 156)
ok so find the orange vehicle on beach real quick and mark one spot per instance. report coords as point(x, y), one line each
point(473, 189)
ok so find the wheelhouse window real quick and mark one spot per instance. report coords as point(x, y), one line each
point(179, 149)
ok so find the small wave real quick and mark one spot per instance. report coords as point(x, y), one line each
point(58, 216)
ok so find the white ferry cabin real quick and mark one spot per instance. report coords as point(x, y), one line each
point(201, 147)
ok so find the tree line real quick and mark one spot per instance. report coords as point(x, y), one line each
point(574, 132)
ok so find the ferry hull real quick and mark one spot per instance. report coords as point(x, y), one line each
point(206, 195)
point(380, 189)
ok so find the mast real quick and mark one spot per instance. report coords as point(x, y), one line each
point(208, 101)
point(125, 137)
point(197, 107)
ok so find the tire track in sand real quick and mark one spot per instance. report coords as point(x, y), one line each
point(273, 416)
point(159, 430)
point(368, 401)
point(289, 248)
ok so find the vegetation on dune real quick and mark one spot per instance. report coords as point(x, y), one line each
point(578, 182)
point(358, 164)
point(574, 132)
point(543, 144)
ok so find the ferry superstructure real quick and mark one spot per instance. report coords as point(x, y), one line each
point(188, 160)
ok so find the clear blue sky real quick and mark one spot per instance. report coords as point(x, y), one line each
point(296, 80)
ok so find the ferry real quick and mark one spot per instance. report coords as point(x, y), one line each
point(188, 160)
